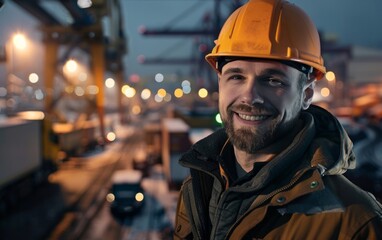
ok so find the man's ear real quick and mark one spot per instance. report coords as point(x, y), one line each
point(308, 95)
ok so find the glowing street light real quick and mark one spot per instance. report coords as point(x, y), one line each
point(128, 91)
point(19, 41)
point(203, 93)
point(325, 92)
point(71, 66)
point(145, 94)
point(15, 48)
point(178, 93)
point(33, 78)
point(159, 77)
point(110, 83)
point(331, 90)
point(162, 92)
point(330, 76)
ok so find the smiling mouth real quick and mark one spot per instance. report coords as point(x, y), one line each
point(252, 117)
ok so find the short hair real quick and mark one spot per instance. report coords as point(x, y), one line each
point(302, 80)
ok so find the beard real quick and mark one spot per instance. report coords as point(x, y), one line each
point(277, 126)
point(249, 139)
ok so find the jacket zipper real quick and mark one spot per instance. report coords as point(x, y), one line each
point(213, 230)
point(293, 182)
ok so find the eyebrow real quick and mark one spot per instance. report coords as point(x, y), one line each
point(232, 70)
point(272, 71)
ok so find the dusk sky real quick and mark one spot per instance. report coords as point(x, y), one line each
point(352, 21)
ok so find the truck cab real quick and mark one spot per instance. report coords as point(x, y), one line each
point(126, 194)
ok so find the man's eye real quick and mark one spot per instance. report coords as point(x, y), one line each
point(235, 77)
point(274, 82)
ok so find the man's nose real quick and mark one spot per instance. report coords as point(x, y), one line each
point(252, 94)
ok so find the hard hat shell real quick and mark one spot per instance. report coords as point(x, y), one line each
point(270, 29)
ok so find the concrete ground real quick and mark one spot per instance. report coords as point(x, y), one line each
point(69, 194)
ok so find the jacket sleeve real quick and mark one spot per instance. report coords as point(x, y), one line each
point(182, 221)
point(371, 230)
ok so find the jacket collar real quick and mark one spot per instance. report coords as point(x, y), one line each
point(330, 147)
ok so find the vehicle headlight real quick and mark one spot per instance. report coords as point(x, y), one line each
point(111, 136)
point(139, 197)
point(110, 197)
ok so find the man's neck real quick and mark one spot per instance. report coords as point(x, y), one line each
point(246, 160)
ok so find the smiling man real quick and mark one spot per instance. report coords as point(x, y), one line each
point(260, 102)
point(275, 170)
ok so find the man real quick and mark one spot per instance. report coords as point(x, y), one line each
point(275, 170)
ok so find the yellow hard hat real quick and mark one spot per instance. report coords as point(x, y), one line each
point(270, 29)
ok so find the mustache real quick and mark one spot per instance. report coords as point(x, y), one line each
point(254, 108)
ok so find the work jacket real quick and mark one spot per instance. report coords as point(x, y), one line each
point(300, 194)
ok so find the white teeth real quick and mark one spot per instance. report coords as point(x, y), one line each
point(252, 118)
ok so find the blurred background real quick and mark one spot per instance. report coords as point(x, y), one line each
point(92, 90)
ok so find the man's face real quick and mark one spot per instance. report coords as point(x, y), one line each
point(260, 101)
